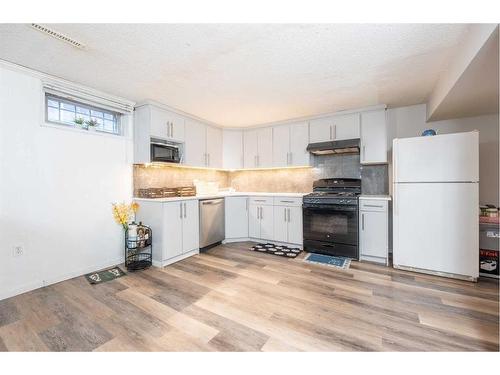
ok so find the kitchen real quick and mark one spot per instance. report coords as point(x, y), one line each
point(346, 227)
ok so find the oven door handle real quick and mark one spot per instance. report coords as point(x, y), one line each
point(335, 208)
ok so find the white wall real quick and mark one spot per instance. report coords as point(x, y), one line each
point(411, 121)
point(56, 190)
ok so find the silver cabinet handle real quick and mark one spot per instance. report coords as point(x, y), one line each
point(373, 205)
point(331, 133)
point(258, 212)
point(180, 206)
point(286, 201)
point(288, 215)
point(171, 130)
point(364, 152)
point(168, 129)
point(246, 204)
point(334, 132)
point(185, 211)
point(259, 200)
point(362, 221)
point(284, 211)
point(261, 215)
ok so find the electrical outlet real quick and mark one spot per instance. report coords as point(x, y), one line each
point(17, 251)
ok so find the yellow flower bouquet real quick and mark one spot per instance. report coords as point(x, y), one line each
point(122, 212)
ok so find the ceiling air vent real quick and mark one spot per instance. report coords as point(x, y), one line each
point(57, 35)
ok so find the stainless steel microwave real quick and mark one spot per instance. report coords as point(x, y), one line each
point(164, 151)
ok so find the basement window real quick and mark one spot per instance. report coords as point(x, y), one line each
point(79, 115)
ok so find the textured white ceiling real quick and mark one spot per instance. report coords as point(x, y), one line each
point(245, 74)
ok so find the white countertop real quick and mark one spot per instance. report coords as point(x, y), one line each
point(376, 197)
point(222, 195)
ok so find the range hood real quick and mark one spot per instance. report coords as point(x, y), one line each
point(346, 146)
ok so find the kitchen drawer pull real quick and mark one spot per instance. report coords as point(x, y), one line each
point(373, 205)
point(287, 201)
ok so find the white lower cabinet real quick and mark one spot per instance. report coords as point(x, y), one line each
point(175, 227)
point(288, 224)
point(260, 220)
point(373, 230)
point(236, 217)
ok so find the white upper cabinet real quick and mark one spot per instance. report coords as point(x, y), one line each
point(281, 146)
point(289, 145)
point(346, 126)
point(334, 128)
point(258, 148)
point(214, 147)
point(299, 139)
point(195, 145)
point(321, 130)
point(232, 152)
point(166, 124)
point(250, 151)
point(265, 147)
point(373, 137)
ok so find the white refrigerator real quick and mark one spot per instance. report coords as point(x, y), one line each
point(436, 202)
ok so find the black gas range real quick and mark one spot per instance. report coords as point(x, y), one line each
point(330, 217)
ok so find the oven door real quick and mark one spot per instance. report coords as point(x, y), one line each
point(164, 153)
point(331, 223)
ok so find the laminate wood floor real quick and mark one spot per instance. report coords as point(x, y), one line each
point(233, 299)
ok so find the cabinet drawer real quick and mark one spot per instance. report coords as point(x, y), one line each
point(268, 201)
point(372, 205)
point(287, 201)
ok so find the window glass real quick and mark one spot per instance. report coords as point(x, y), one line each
point(80, 115)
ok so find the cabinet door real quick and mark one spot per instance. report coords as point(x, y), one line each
point(281, 146)
point(166, 124)
point(159, 122)
point(299, 139)
point(177, 127)
point(236, 217)
point(232, 154)
point(214, 147)
point(195, 144)
point(265, 148)
point(254, 221)
point(295, 225)
point(346, 127)
point(373, 137)
point(320, 130)
point(190, 226)
point(267, 222)
point(172, 232)
point(250, 148)
point(280, 223)
point(373, 234)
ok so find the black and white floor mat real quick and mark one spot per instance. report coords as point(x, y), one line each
point(284, 251)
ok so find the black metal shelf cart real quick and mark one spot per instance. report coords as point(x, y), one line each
point(139, 249)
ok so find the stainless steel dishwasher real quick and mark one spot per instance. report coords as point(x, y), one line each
point(212, 227)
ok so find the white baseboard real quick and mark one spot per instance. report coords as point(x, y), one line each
point(57, 279)
point(164, 263)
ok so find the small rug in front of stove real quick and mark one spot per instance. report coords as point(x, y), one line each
point(328, 260)
point(283, 251)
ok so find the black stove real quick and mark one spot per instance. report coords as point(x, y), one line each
point(330, 215)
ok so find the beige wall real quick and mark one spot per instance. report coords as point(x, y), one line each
point(411, 121)
point(291, 180)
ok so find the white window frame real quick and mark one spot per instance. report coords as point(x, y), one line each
point(75, 102)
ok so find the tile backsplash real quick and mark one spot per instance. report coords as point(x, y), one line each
point(284, 180)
